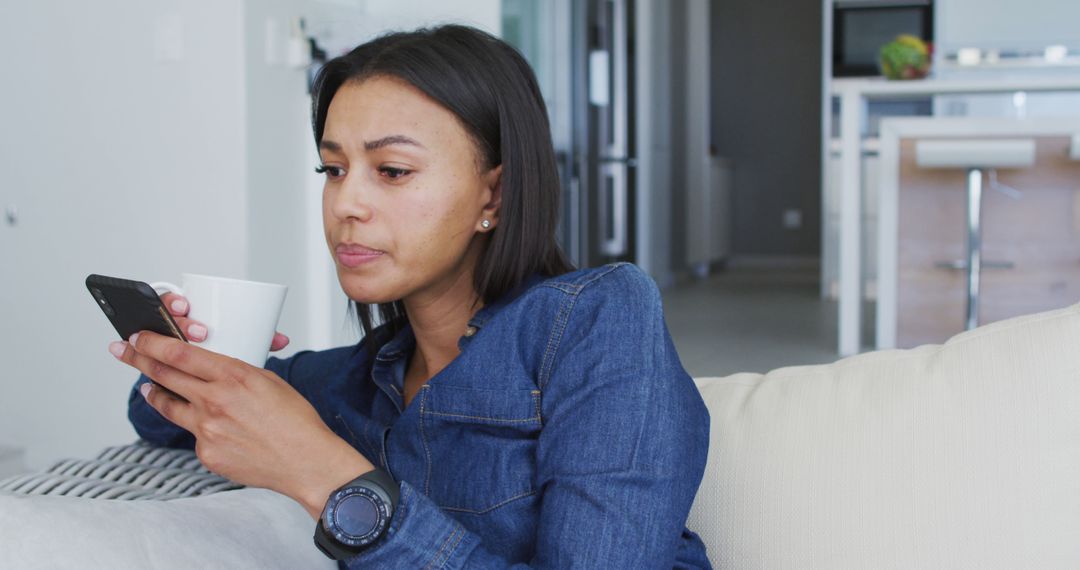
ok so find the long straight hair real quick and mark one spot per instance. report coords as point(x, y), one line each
point(492, 90)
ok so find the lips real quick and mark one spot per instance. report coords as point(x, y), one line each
point(355, 255)
point(357, 249)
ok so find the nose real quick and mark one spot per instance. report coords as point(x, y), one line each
point(350, 200)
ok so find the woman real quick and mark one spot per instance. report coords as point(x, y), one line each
point(507, 410)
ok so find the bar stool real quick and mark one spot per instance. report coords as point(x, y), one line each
point(975, 155)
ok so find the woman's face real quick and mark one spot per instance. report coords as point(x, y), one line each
point(405, 193)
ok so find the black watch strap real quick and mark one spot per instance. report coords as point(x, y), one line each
point(330, 547)
point(327, 543)
point(384, 480)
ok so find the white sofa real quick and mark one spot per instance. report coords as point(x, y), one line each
point(964, 455)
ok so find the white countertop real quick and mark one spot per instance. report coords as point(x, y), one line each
point(881, 87)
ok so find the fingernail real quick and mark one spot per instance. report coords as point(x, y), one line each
point(179, 305)
point(145, 390)
point(117, 348)
point(197, 332)
point(134, 338)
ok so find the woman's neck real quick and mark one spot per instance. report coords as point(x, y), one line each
point(438, 319)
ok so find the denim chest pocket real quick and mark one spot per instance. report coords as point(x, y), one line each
point(481, 445)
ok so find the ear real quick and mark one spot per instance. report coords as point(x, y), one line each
point(493, 181)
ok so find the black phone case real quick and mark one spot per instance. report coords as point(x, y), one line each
point(132, 306)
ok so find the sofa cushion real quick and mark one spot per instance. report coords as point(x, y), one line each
point(962, 455)
point(248, 528)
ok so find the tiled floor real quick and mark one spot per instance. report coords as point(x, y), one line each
point(750, 321)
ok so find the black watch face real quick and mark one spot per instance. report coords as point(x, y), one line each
point(357, 516)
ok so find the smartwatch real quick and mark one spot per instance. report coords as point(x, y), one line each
point(356, 515)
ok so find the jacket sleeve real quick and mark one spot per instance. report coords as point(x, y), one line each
point(619, 458)
point(156, 430)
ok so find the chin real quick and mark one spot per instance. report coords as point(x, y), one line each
point(366, 289)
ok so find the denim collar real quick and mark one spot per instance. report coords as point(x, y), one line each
point(488, 311)
point(401, 344)
point(404, 341)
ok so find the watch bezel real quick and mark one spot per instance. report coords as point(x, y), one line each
point(382, 509)
point(378, 486)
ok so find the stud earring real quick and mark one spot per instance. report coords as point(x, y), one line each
point(485, 224)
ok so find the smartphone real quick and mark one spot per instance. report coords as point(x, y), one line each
point(132, 306)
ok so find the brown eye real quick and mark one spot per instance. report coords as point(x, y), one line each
point(393, 173)
point(330, 171)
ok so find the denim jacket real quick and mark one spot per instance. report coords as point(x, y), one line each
point(565, 435)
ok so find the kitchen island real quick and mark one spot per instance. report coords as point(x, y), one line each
point(855, 95)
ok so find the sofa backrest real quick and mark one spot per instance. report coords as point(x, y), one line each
point(962, 455)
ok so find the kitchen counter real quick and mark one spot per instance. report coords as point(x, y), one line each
point(922, 222)
point(880, 88)
point(854, 95)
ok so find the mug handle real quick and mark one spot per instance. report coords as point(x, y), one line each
point(162, 287)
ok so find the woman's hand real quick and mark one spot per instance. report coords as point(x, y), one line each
point(195, 331)
point(250, 426)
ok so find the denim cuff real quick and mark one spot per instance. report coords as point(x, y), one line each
point(421, 535)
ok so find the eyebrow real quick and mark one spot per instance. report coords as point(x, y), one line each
point(375, 144)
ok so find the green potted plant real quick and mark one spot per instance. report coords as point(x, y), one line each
point(906, 57)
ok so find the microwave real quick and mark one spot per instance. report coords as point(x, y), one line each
point(861, 27)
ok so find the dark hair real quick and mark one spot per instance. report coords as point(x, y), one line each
point(492, 90)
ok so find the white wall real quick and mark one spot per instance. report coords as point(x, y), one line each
point(409, 14)
point(280, 160)
point(143, 139)
point(1006, 24)
point(124, 156)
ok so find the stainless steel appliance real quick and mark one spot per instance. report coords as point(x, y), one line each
point(861, 27)
point(601, 187)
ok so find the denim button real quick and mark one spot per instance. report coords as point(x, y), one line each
point(470, 331)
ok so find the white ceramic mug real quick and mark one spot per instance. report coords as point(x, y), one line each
point(240, 316)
